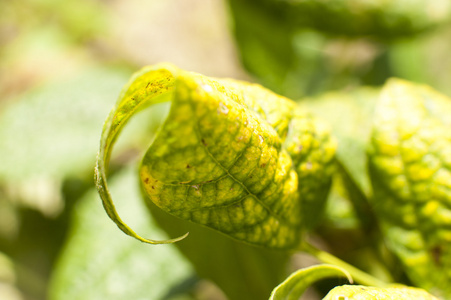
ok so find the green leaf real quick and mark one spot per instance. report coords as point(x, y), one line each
point(410, 169)
point(350, 116)
point(296, 284)
point(58, 125)
point(312, 151)
point(360, 292)
point(381, 19)
point(254, 270)
point(298, 48)
point(221, 158)
point(99, 262)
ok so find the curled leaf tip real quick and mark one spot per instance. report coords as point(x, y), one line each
point(296, 284)
point(230, 155)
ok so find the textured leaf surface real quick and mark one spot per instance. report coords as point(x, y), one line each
point(410, 166)
point(359, 292)
point(222, 159)
point(295, 285)
point(312, 151)
point(99, 262)
point(255, 270)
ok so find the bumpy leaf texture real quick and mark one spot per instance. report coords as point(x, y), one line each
point(231, 156)
point(359, 292)
point(410, 168)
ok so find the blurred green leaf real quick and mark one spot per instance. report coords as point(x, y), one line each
point(50, 137)
point(265, 42)
point(53, 131)
point(349, 113)
point(360, 292)
point(381, 19)
point(99, 262)
point(410, 171)
point(299, 48)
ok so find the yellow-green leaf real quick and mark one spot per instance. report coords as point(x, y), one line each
point(296, 284)
point(410, 168)
point(360, 292)
point(226, 157)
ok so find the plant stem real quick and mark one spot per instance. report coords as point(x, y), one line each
point(357, 275)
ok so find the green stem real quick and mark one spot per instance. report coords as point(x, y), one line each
point(357, 275)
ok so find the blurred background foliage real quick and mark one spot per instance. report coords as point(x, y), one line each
point(62, 65)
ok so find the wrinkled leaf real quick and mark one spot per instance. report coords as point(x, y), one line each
point(98, 262)
point(311, 149)
point(221, 158)
point(360, 292)
point(296, 284)
point(410, 168)
point(254, 270)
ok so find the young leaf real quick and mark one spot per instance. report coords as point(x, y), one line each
point(360, 292)
point(296, 284)
point(410, 168)
point(220, 159)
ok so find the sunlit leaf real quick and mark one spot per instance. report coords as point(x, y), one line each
point(221, 158)
point(240, 270)
point(360, 292)
point(410, 166)
point(295, 285)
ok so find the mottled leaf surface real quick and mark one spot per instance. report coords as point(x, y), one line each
point(410, 166)
point(296, 284)
point(215, 256)
point(359, 292)
point(222, 157)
